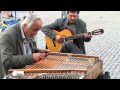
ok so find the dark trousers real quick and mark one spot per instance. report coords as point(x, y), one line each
point(70, 47)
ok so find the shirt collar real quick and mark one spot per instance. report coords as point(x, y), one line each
point(22, 33)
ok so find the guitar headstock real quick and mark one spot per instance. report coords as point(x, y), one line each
point(98, 32)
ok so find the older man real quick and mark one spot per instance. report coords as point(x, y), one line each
point(17, 47)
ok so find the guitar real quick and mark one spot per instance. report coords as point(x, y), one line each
point(66, 33)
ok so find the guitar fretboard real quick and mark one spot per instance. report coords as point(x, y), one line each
point(75, 36)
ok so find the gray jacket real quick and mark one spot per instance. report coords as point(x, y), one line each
point(11, 49)
point(61, 24)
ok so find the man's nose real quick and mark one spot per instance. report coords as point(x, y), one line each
point(72, 18)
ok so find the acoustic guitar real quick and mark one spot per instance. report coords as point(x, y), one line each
point(55, 46)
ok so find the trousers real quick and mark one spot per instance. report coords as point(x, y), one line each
point(70, 47)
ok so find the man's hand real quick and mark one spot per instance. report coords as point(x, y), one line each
point(86, 35)
point(59, 38)
point(38, 56)
point(45, 51)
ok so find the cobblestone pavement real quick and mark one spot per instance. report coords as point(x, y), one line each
point(106, 46)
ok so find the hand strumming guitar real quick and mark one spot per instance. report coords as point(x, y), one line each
point(59, 38)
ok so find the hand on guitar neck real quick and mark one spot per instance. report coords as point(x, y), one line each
point(87, 35)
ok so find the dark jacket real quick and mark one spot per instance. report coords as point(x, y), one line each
point(61, 24)
point(11, 49)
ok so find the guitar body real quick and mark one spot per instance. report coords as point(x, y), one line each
point(57, 46)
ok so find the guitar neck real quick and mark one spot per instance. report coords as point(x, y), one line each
point(75, 36)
